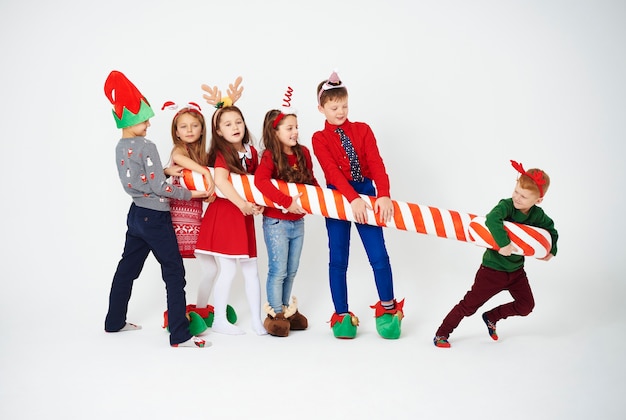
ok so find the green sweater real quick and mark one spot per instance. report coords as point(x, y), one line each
point(505, 211)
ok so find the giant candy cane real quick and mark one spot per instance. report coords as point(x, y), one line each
point(529, 240)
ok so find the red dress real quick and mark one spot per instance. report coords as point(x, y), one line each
point(186, 218)
point(225, 231)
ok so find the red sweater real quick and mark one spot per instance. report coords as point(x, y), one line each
point(336, 165)
point(262, 180)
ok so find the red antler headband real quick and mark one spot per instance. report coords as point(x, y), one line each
point(537, 177)
point(286, 108)
point(333, 82)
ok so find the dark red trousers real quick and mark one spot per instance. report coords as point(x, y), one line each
point(488, 283)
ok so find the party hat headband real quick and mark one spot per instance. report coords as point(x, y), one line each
point(190, 107)
point(333, 82)
point(214, 96)
point(286, 108)
point(536, 176)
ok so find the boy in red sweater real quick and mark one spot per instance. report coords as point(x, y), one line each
point(349, 157)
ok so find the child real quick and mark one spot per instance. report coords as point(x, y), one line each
point(227, 229)
point(149, 220)
point(284, 158)
point(502, 269)
point(353, 169)
point(189, 152)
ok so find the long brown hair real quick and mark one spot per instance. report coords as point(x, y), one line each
point(219, 143)
point(301, 174)
point(197, 151)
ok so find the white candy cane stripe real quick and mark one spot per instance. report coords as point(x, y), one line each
point(194, 180)
point(531, 241)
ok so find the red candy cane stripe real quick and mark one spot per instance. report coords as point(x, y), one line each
point(450, 224)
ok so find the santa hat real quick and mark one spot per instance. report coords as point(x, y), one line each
point(130, 107)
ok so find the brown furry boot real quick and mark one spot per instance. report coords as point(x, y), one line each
point(276, 324)
point(297, 321)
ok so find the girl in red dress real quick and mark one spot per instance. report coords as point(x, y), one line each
point(227, 231)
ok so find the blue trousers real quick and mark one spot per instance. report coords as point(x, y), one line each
point(150, 230)
point(339, 246)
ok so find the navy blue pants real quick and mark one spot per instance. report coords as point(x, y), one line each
point(150, 230)
point(339, 246)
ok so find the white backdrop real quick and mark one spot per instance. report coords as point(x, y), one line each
point(452, 90)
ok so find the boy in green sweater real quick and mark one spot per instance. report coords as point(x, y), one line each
point(503, 269)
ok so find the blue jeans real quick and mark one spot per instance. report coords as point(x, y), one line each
point(150, 230)
point(284, 240)
point(374, 244)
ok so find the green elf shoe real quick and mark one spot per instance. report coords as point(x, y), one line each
point(231, 315)
point(389, 321)
point(207, 315)
point(344, 326)
point(196, 324)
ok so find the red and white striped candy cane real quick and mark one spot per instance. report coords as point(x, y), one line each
point(450, 224)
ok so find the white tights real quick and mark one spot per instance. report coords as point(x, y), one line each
point(208, 273)
point(223, 282)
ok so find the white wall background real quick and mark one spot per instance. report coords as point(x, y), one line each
point(453, 90)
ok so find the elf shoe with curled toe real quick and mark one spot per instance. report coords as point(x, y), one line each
point(231, 315)
point(207, 313)
point(275, 323)
point(297, 321)
point(344, 325)
point(389, 321)
point(196, 324)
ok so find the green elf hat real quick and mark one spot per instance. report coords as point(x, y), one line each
point(130, 107)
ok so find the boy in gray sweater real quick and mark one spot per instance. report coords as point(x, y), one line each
point(149, 221)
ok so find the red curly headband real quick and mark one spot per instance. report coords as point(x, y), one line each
point(537, 177)
point(286, 107)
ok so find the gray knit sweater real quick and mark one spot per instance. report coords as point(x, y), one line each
point(141, 173)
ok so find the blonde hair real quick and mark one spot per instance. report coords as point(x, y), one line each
point(197, 151)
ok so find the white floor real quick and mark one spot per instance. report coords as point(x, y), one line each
point(452, 90)
point(564, 361)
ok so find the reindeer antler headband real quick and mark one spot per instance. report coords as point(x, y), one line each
point(214, 96)
point(537, 177)
point(286, 109)
point(333, 82)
